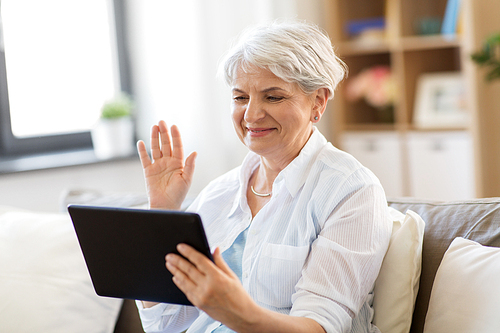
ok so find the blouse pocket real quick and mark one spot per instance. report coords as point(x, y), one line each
point(279, 270)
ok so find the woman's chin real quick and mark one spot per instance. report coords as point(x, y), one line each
point(260, 148)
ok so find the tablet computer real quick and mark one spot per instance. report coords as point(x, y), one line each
point(125, 249)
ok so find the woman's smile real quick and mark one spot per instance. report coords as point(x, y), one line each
point(259, 132)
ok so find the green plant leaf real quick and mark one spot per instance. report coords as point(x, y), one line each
point(480, 57)
point(119, 107)
point(489, 57)
point(493, 74)
point(494, 39)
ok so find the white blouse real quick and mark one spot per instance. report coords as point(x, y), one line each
point(314, 250)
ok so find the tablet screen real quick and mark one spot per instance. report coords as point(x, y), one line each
point(125, 249)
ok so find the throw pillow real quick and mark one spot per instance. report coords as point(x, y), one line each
point(44, 282)
point(397, 285)
point(465, 294)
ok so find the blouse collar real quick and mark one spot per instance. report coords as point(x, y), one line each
point(294, 175)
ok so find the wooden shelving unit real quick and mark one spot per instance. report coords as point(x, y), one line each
point(409, 55)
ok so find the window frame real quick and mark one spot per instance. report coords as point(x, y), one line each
point(12, 146)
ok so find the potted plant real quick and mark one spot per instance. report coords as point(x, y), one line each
point(489, 56)
point(113, 134)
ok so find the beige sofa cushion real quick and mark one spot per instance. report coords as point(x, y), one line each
point(397, 283)
point(44, 282)
point(465, 293)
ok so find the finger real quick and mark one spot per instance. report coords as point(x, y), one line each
point(178, 265)
point(189, 166)
point(219, 262)
point(166, 147)
point(178, 150)
point(155, 143)
point(143, 154)
point(197, 259)
point(180, 279)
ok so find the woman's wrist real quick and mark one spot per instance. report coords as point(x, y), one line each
point(163, 206)
point(158, 202)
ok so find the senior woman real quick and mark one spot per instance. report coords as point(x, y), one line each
point(299, 229)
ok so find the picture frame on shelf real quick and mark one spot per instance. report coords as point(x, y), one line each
point(440, 101)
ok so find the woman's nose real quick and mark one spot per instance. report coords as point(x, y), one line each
point(254, 111)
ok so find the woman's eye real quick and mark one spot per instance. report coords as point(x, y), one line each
point(239, 98)
point(274, 98)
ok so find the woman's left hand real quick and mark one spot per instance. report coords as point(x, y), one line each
point(214, 288)
point(211, 286)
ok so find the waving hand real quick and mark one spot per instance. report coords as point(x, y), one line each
point(168, 177)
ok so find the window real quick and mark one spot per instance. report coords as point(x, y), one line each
point(59, 61)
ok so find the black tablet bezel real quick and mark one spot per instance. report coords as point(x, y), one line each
point(125, 249)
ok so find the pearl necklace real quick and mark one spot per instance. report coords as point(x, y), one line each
point(260, 194)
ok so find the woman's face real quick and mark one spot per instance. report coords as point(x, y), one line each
point(273, 118)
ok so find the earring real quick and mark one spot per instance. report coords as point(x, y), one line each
point(316, 118)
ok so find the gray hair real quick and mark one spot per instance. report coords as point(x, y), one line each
point(293, 51)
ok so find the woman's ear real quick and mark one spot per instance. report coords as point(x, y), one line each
point(320, 100)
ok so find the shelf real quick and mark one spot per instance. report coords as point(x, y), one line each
point(437, 129)
point(411, 43)
point(410, 55)
point(414, 43)
point(370, 127)
point(398, 127)
point(355, 47)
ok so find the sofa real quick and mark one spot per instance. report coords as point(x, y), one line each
point(45, 290)
point(469, 292)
